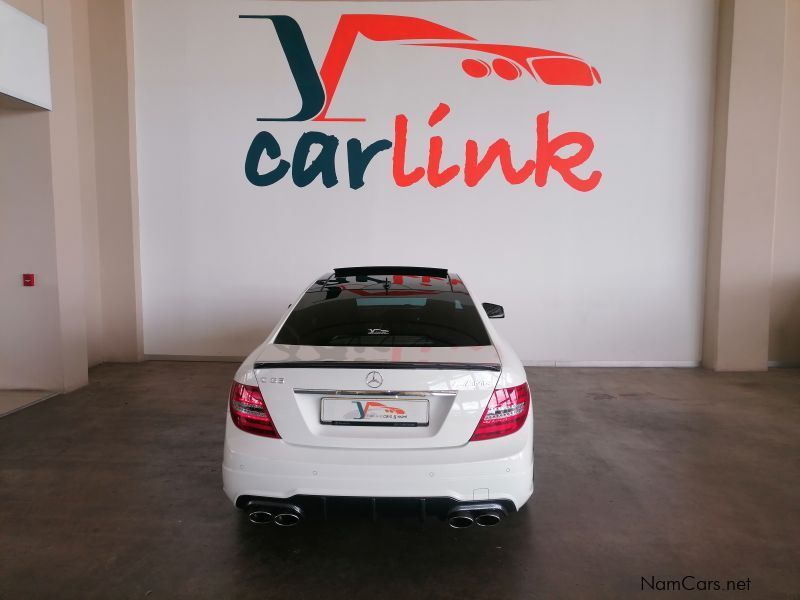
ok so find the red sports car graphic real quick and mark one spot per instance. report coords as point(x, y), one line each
point(509, 62)
point(547, 66)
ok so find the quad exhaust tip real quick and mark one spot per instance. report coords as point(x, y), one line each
point(488, 519)
point(260, 517)
point(461, 521)
point(480, 514)
point(287, 519)
point(267, 513)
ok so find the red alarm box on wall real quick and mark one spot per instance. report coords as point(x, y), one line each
point(28, 279)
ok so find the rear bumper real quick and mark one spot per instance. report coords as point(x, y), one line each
point(324, 507)
point(499, 469)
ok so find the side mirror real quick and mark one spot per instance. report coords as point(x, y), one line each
point(494, 311)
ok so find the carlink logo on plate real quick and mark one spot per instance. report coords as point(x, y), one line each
point(388, 411)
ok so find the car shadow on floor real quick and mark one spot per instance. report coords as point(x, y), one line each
point(343, 553)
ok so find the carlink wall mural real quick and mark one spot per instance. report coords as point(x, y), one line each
point(553, 152)
point(480, 59)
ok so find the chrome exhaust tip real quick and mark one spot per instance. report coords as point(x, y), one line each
point(266, 512)
point(489, 519)
point(460, 521)
point(483, 514)
point(287, 519)
point(260, 517)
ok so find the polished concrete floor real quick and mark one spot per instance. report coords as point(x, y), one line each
point(113, 491)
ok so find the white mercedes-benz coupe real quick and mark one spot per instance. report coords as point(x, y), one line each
point(382, 389)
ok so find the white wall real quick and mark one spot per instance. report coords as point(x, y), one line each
point(24, 65)
point(88, 180)
point(42, 328)
point(30, 341)
point(109, 25)
point(784, 339)
point(610, 275)
point(56, 168)
point(739, 277)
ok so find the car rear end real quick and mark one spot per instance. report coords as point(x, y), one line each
point(386, 389)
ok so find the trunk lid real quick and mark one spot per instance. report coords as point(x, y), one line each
point(455, 382)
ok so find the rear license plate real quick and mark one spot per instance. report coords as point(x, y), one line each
point(397, 412)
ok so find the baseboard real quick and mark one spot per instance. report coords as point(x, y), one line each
point(7, 408)
point(671, 364)
point(781, 364)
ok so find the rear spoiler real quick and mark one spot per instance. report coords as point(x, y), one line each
point(362, 271)
point(350, 364)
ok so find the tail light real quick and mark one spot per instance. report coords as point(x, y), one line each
point(505, 414)
point(249, 412)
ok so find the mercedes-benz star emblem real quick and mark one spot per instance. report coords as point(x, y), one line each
point(374, 379)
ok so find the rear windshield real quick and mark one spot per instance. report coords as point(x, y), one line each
point(378, 313)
